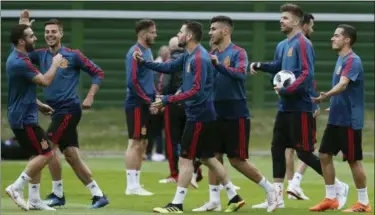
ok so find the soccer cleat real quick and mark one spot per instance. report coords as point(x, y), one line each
point(52, 200)
point(264, 205)
point(326, 204)
point(235, 204)
point(17, 196)
point(99, 202)
point(272, 200)
point(235, 187)
point(209, 206)
point(39, 205)
point(170, 209)
point(358, 207)
point(140, 191)
point(297, 192)
point(291, 197)
point(170, 179)
point(342, 192)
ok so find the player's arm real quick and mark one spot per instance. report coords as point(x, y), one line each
point(132, 82)
point(168, 67)
point(350, 73)
point(274, 66)
point(96, 73)
point(237, 72)
point(306, 61)
point(199, 66)
point(27, 70)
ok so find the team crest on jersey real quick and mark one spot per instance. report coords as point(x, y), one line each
point(290, 52)
point(44, 144)
point(64, 63)
point(144, 130)
point(338, 71)
point(226, 61)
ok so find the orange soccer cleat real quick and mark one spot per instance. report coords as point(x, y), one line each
point(358, 207)
point(326, 204)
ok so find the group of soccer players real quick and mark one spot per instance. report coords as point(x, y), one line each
point(208, 99)
point(58, 74)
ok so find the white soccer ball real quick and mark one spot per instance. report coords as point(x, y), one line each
point(284, 78)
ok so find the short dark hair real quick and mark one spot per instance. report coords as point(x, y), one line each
point(225, 19)
point(143, 24)
point(54, 22)
point(195, 28)
point(349, 31)
point(307, 17)
point(17, 33)
point(293, 9)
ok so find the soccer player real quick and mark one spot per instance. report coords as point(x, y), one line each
point(140, 93)
point(293, 125)
point(174, 114)
point(294, 179)
point(345, 122)
point(22, 79)
point(62, 96)
point(233, 117)
point(197, 94)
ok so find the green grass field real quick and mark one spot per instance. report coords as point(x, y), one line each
point(106, 129)
point(109, 173)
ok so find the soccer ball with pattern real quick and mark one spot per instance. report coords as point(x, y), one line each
point(284, 78)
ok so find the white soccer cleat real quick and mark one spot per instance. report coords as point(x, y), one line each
point(291, 197)
point(235, 187)
point(40, 205)
point(193, 181)
point(342, 192)
point(264, 205)
point(17, 196)
point(139, 191)
point(297, 192)
point(209, 206)
point(168, 180)
point(272, 200)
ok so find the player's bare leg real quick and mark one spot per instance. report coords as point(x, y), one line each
point(359, 176)
point(84, 174)
point(56, 198)
point(214, 202)
point(330, 202)
point(35, 202)
point(133, 161)
point(33, 168)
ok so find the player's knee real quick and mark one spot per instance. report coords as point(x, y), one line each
point(185, 163)
point(324, 156)
point(236, 162)
point(219, 157)
point(354, 164)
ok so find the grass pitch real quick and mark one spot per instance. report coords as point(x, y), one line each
point(110, 175)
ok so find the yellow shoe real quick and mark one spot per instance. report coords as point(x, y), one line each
point(170, 209)
point(234, 204)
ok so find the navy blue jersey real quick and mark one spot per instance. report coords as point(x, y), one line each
point(197, 86)
point(298, 57)
point(230, 76)
point(347, 108)
point(22, 105)
point(61, 94)
point(140, 80)
point(275, 66)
